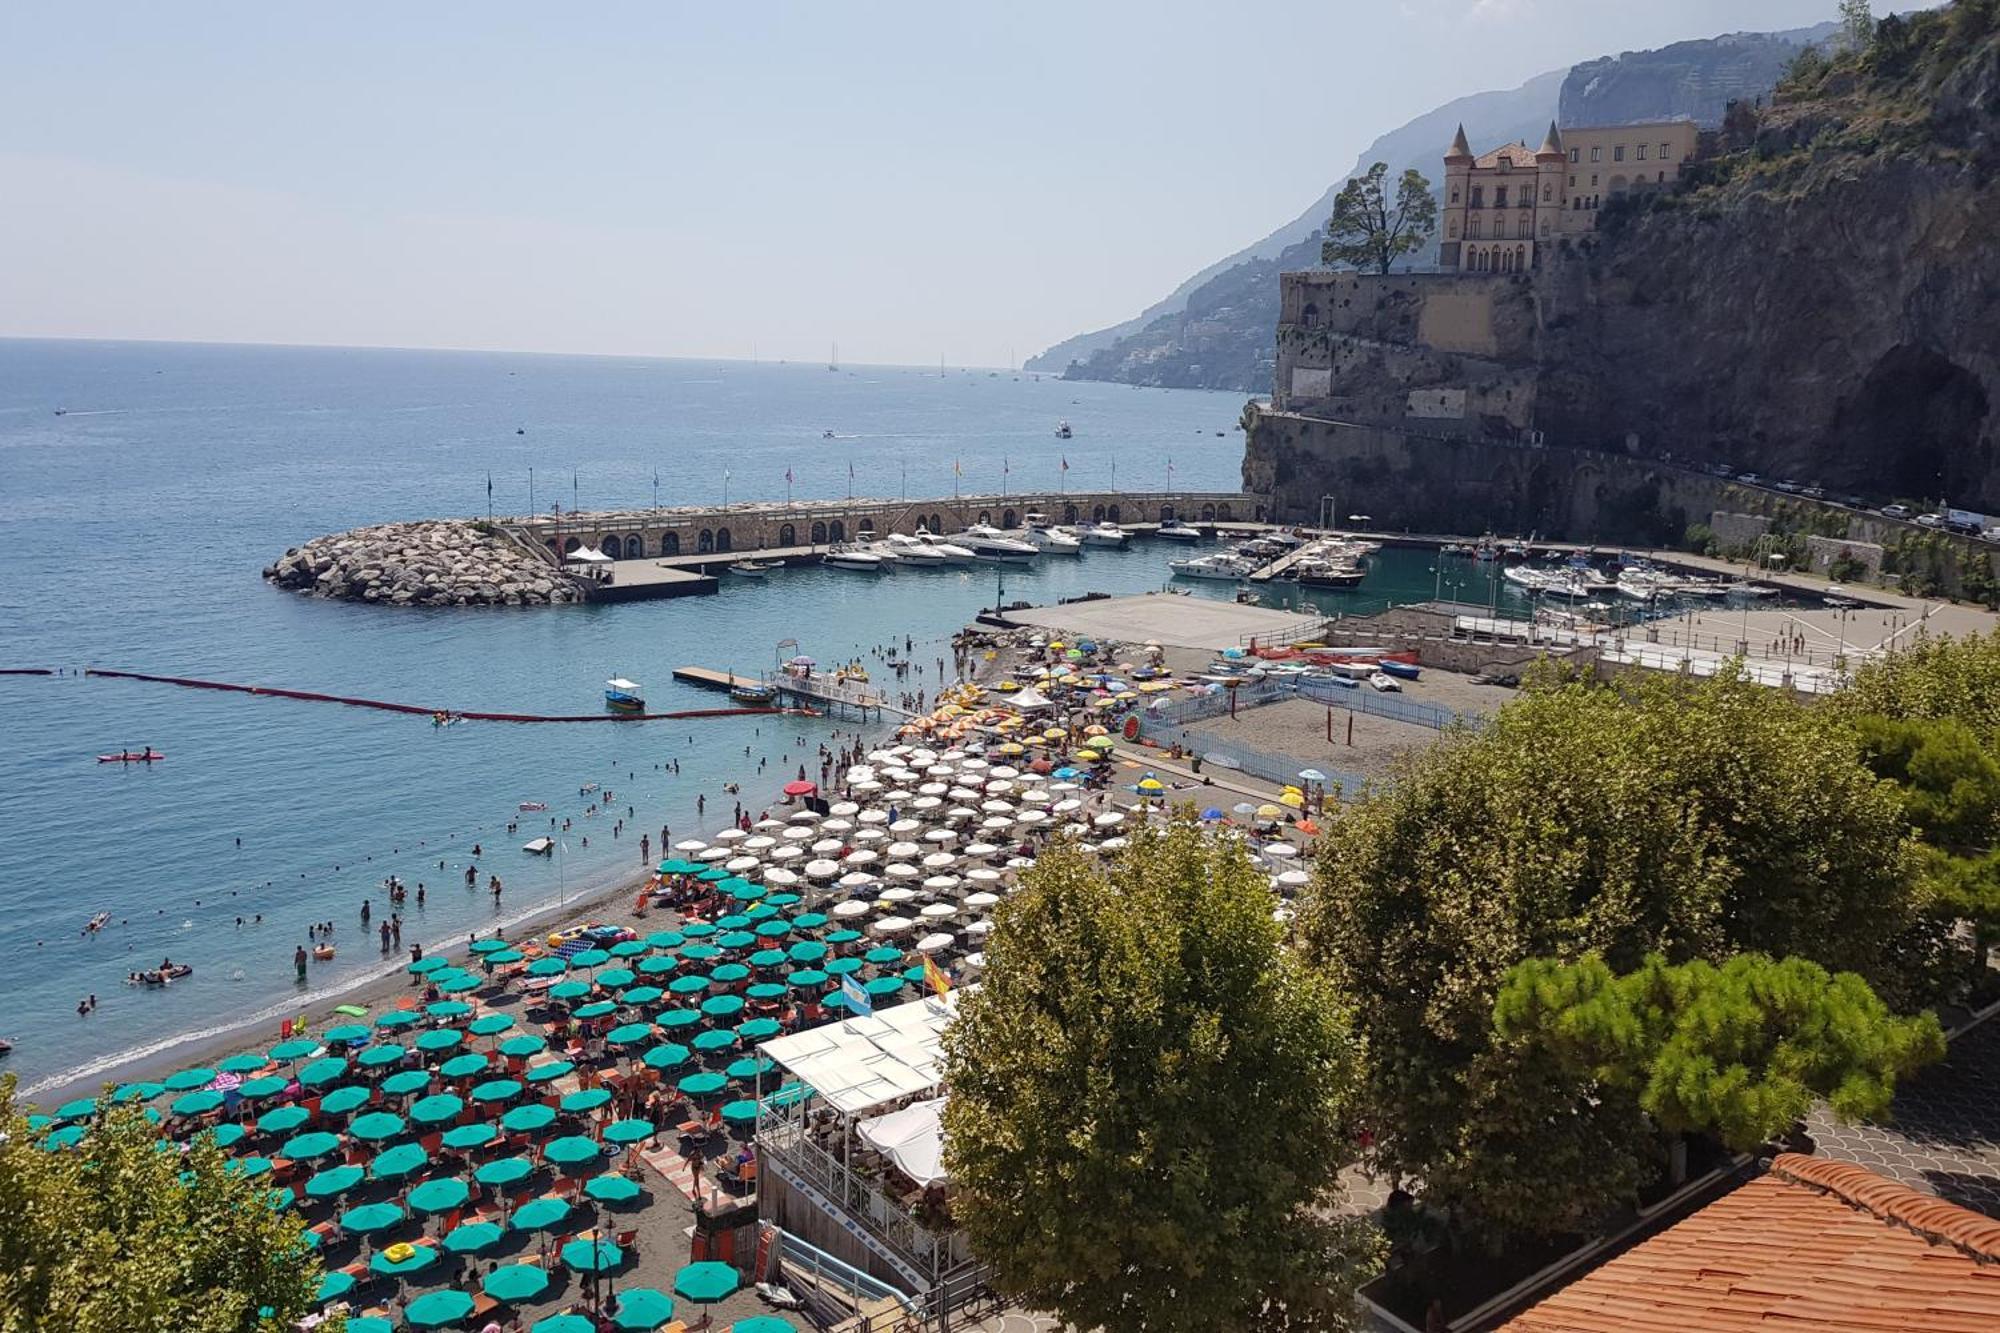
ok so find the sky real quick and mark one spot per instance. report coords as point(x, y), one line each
point(911, 181)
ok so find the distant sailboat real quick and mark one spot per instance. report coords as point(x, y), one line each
point(833, 359)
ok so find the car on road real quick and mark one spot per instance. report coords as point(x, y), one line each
point(1788, 486)
point(1931, 520)
point(1854, 502)
point(1895, 511)
point(1814, 492)
point(1751, 478)
point(1721, 470)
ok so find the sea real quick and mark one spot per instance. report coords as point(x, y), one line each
point(143, 486)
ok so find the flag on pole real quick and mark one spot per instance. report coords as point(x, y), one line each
point(935, 978)
point(1065, 464)
point(788, 476)
point(1005, 467)
point(489, 485)
point(857, 997)
point(956, 469)
point(850, 469)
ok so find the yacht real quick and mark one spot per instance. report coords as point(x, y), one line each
point(1052, 539)
point(953, 553)
point(1104, 534)
point(912, 551)
point(854, 558)
point(1224, 565)
point(1312, 573)
point(1176, 531)
point(989, 543)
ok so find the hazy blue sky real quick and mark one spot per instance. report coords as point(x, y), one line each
point(909, 179)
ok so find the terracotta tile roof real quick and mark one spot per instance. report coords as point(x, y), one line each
point(1812, 1245)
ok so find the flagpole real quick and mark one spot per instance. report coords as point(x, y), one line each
point(656, 490)
point(532, 511)
point(489, 497)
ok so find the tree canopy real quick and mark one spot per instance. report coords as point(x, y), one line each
point(120, 1234)
point(1740, 1051)
point(1370, 230)
point(1932, 679)
point(1149, 1100)
point(1695, 819)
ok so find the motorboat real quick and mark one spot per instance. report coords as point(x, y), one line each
point(539, 846)
point(1063, 432)
point(891, 561)
point(622, 696)
point(1052, 539)
point(1327, 574)
point(753, 693)
point(953, 553)
point(912, 551)
point(1400, 670)
point(1384, 682)
point(146, 756)
point(854, 558)
point(989, 543)
point(1104, 534)
point(751, 569)
point(1224, 566)
point(1177, 531)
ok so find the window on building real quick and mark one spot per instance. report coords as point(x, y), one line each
point(1593, 182)
point(1499, 196)
point(1500, 229)
point(1572, 182)
point(1666, 151)
point(1642, 152)
point(1479, 196)
point(1454, 196)
point(1618, 153)
point(1575, 154)
point(1548, 193)
point(1472, 228)
point(1596, 153)
point(1663, 178)
point(1451, 227)
point(1545, 228)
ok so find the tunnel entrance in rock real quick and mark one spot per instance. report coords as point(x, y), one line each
point(1914, 424)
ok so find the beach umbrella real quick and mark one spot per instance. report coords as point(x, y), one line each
point(695, 930)
point(257, 1089)
point(627, 949)
point(80, 1109)
point(66, 1137)
point(569, 990)
point(138, 1092)
point(841, 967)
point(497, 1090)
point(597, 1009)
point(196, 1103)
point(668, 1055)
point(722, 1006)
point(705, 1283)
point(807, 951)
point(463, 1137)
point(404, 1082)
point(612, 1188)
point(541, 1214)
point(658, 965)
point(705, 1084)
point(883, 955)
point(189, 1079)
point(808, 979)
point(505, 956)
point(516, 1282)
point(316, 1143)
point(421, 966)
point(842, 936)
point(736, 939)
point(376, 1126)
point(332, 1286)
point(628, 1131)
point(769, 958)
point(740, 1112)
point(462, 1066)
point(335, 1180)
point(524, 1045)
point(346, 1098)
point(700, 953)
point(616, 978)
point(882, 986)
point(665, 939)
point(585, 1099)
point(765, 991)
point(375, 1057)
point(504, 1171)
point(468, 1238)
point(372, 1217)
point(692, 983)
point(759, 1029)
point(392, 1263)
point(748, 1067)
point(763, 1323)
point(491, 944)
point(440, 1195)
point(571, 1151)
point(223, 1136)
point(397, 1019)
point(642, 995)
point(241, 1064)
point(631, 1034)
point(592, 1256)
point(284, 1120)
point(563, 1323)
point(322, 1071)
point(719, 1039)
point(526, 1119)
point(548, 967)
point(435, 1309)
point(405, 1159)
point(553, 1069)
point(296, 1049)
point(439, 1039)
point(729, 974)
point(589, 958)
point(448, 1009)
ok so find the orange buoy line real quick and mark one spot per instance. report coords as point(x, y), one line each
point(424, 710)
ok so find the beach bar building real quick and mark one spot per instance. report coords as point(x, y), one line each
point(851, 1164)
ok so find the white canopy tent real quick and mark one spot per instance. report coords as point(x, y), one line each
point(861, 1063)
point(912, 1138)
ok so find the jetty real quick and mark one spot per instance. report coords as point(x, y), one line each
point(818, 690)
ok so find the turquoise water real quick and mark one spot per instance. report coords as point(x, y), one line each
point(132, 530)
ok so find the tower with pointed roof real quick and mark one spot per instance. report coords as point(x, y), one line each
point(1458, 161)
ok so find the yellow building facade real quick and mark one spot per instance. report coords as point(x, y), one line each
point(1504, 208)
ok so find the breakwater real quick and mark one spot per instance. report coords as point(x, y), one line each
point(436, 563)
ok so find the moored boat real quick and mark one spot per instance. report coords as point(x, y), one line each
point(989, 543)
point(1104, 534)
point(752, 569)
point(1176, 531)
point(854, 558)
point(622, 696)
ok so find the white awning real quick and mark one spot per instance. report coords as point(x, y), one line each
point(1027, 701)
point(861, 1063)
point(590, 555)
point(913, 1138)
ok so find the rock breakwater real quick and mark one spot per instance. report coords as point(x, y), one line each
point(437, 563)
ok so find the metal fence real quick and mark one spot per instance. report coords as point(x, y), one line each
point(1259, 693)
point(1220, 754)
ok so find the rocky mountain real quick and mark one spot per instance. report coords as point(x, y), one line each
point(1215, 330)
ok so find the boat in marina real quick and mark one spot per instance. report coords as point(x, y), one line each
point(1176, 531)
point(854, 558)
point(1327, 574)
point(622, 696)
point(1051, 538)
point(953, 553)
point(913, 551)
point(1104, 534)
point(1063, 432)
point(753, 693)
point(1384, 682)
point(989, 543)
point(1224, 566)
point(752, 569)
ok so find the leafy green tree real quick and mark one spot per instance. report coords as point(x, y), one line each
point(117, 1235)
point(1932, 679)
point(1369, 230)
point(1697, 819)
point(1150, 1101)
point(1740, 1051)
point(1857, 24)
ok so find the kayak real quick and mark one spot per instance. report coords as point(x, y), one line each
point(131, 757)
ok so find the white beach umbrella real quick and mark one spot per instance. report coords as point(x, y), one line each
point(1037, 796)
point(923, 805)
point(973, 765)
point(938, 771)
point(892, 925)
point(781, 877)
point(1032, 817)
point(941, 883)
point(789, 852)
point(996, 824)
point(942, 836)
point(1020, 862)
point(899, 774)
point(939, 861)
point(1112, 845)
point(901, 870)
point(975, 849)
point(865, 787)
point(884, 755)
point(856, 880)
point(1280, 851)
point(1109, 819)
point(975, 961)
point(822, 869)
point(713, 854)
point(904, 828)
point(1067, 806)
point(762, 842)
point(997, 808)
point(958, 814)
point(937, 943)
point(932, 789)
point(844, 809)
point(798, 833)
point(861, 856)
point(903, 850)
point(1005, 771)
point(999, 787)
point(1064, 787)
point(804, 817)
point(938, 911)
point(853, 907)
point(874, 816)
point(980, 929)
point(827, 847)
point(898, 796)
point(731, 835)
point(1292, 879)
point(984, 876)
point(768, 827)
point(837, 827)
point(898, 893)
point(691, 846)
point(868, 836)
point(982, 900)
point(741, 864)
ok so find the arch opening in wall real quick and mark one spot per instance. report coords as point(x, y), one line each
point(865, 528)
point(1309, 316)
point(1069, 513)
point(787, 535)
point(1112, 513)
point(1222, 511)
point(1260, 513)
point(936, 524)
point(670, 543)
point(705, 542)
point(986, 517)
point(1097, 513)
point(1208, 513)
point(818, 534)
point(1008, 519)
point(572, 545)
point(635, 547)
point(837, 531)
point(1166, 513)
point(722, 539)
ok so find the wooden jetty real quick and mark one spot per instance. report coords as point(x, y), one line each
point(817, 690)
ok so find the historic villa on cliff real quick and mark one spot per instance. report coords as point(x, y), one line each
point(1500, 206)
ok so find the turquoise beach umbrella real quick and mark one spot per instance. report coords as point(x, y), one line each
point(589, 958)
point(371, 1217)
point(335, 1180)
point(842, 936)
point(548, 967)
point(585, 1099)
point(524, 1045)
point(368, 1323)
point(883, 956)
point(766, 991)
point(809, 979)
point(281, 1198)
point(346, 1032)
point(468, 1238)
point(527, 1119)
point(729, 974)
point(673, 1019)
point(396, 1019)
point(284, 1120)
point(137, 1092)
point(842, 967)
point(554, 1069)
point(722, 1006)
point(462, 1137)
point(592, 1256)
point(375, 1057)
point(497, 1090)
point(616, 978)
point(321, 1072)
point(768, 958)
point(719, 1039)
point(740, 1112)
point(667, 1056)
point(658, 965)
point(226, 1136)
point(597, 1009)
point(406, 1081)
point(737, 939)
point(541, 1214)
point(704, 1084)
point(439, 1039)
point(421, 966)
point(490, 944)
point(573, 1150)
point(629, 1034)
point(316, 1143)
point(730, 887)
point(348, 1097)
point(695, 930)
point(759, 1029)
point(296, 1049)
point(881, 986)
point(705, 1283)
point(81, 1109)
point(627, 949)
point(700, 953)
point(629, 1131)
point(434, 1309)
point(376, 1126)
point(641, 995)
point(439, 1196)
point(196, 1103)
point(641, 1309)
point(756, 912)
point(420, 1258)
point(448, 1009)
point(773, 930)
point(332, 1286)
point(438, 1107)
point(189, 1079)
point(464, 1066)
point(516, 1282)
point(257, 1089)
point(665, 939)
point(712, 875)
point(505, 956)
point(569, 990)
point(782, 899)
point(459, 985)
point(763, 1323)
point(66, 1137)
point(504, 1171)
point(809, 920)
point(490, 1025)
point(563, 1323)
point(405, 1159)
point(692, 983)
point(612, 1188)
point(242, 1064)
point(807, 951)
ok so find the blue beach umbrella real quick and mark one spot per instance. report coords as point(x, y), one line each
point(436, 1108)
point(569, 990)
point(641, 995)
point(504, 1171)
point(376, 1057)
point(333, 1181)
point(321, 1072)
point(668, 1055)
point(405, 1159)
point(525, 1045)
point(345, 1033)
point(612, 1188)
point(435, 1309)
point(642, 1309)
point(376, 1126)
point(469, 1065)
point(440, 1195)
point(627, 949)
point(585, 1099)
point(243, 1064)
point(469, 1238)
point(419, 1258)
point(658, 965)
point(572, 1150)
point(187, 1080)
point(397, 1019)
point(541, 1214)
point(592, 1256)
point(589, 958)
point(597, 1009)
point(296, 1049)
point(348, 1097)
point(497, 1090)
point(406, 1081)
point(448, 1009)
point(548, 967)
point(284, 1120)
point(554, 1069)
point(489, 1025)
point(616, 978)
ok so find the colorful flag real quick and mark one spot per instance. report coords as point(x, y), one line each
point(935, 978)
point(1065, 465)
point(788, 476)
point(857, 996)
point(1005, 467)
point(956, 470)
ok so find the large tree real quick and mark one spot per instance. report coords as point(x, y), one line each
point(119, 1234)
point(1697, 819)
point(1149, 1100)
point(1368, 229)
point(1739, 1051)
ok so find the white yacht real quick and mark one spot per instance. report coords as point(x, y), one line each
point(1104, 534)
point(953, 553)
point(1052, 539)
point(912, 551)
point(1176, 531)
point(1225, 566)
point(854, 558)
point(989, 543)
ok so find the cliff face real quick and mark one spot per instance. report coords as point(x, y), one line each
point(1687, 80)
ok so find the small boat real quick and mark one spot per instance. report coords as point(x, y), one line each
point(913, 551)
point(754, 693)
point(97, 923)
point(160, 976)
point(528, 806)
point(1383, 682)
point(539, 846)
point(1063, 432)
point(751, 569)
point(6, 1047)
point(622, 696)
point(146, 756)
point(989, 543)
point(860, 561)
point(1051, 538)
point(952, 553)
point(1177, 531)
point(1104, 534)
point(1400, 670)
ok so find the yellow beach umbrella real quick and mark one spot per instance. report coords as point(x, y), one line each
point(1293, 799)
point(1269, 812)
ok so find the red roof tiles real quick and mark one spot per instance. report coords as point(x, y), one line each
point(1813, 1245)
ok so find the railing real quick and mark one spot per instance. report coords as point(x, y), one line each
point(884, 1220)
point(1374, 704)
point(1259, 693)
point(825, 1271)
point(1282, 769)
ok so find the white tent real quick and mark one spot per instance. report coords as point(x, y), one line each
point(1029, 700)
point(858, 1064)
point(589, 555)
point(912, 1138)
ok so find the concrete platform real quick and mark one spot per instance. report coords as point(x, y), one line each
point(649, 580)
point(1168, 619)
